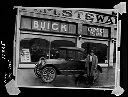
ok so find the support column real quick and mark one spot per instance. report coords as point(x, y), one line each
point(79, 41)
point(111, 53)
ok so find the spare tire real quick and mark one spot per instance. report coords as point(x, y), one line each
point(37, 71)
point(48, 74)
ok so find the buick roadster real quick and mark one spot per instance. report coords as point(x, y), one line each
point(67, 61)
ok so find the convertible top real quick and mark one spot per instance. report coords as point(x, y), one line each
point(73, 48)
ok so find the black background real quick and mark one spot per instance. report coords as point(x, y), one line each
point(7, 28)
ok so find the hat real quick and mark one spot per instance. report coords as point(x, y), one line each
point(91, 51)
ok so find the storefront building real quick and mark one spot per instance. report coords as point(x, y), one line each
point(41, 31)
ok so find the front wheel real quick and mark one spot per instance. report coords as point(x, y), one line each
point(48, 74)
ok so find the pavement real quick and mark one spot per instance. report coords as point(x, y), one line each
point(26, 78)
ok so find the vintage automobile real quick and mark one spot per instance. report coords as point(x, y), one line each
point(67, 61)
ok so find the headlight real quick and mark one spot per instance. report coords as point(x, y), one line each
point(43, 62)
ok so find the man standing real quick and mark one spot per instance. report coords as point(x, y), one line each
point(92, 62)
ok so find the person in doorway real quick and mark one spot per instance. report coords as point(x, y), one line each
point(92, 62)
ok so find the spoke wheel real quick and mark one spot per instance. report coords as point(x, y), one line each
point(48, 74)
point(37, 71)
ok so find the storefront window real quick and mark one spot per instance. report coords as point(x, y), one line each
point(100, 50)
point(32, 49)
point(36, 48)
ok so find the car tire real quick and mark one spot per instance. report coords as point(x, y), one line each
point(48, 74)
point(37, 71)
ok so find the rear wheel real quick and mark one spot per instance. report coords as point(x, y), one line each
point(48, 74)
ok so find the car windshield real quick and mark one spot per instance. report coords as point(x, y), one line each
point(67, 54)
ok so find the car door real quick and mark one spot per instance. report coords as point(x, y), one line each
point(71, 60)
point(74, 63)
point(63, 60)
point(69, 64)
point(80, 62)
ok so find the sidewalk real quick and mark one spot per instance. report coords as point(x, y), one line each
point(26, 77)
